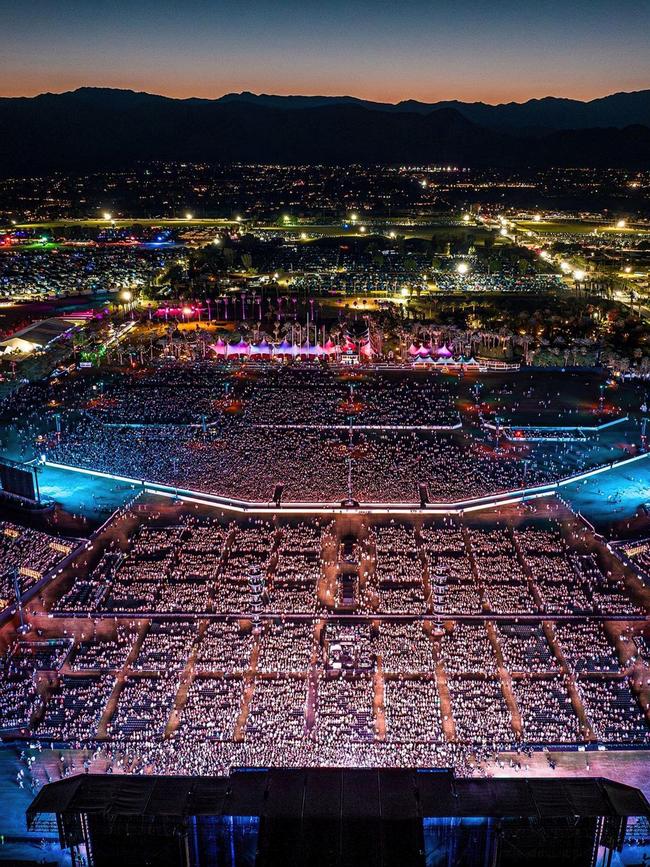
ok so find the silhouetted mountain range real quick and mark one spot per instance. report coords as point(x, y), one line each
point(93, 128)
point(551, 113)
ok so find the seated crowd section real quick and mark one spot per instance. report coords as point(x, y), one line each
point(208, 643)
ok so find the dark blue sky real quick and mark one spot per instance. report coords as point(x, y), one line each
point(492, 51)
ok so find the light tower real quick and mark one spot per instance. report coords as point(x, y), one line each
point(24, 627)
point(257, 585)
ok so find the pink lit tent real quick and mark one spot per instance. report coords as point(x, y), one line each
point(241, 348)
point(283, 348)
point(413, 350)
point(331, 348)
point(219, 347)
point(444, 352)
point(308, 350)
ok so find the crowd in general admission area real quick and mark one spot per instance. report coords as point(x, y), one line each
point(236, 460)
point(240, 434)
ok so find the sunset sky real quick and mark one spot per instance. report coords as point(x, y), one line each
point(490, 51)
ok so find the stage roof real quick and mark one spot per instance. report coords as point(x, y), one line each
point(338, 794)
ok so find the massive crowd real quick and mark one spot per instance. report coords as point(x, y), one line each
point(248, 681)
point(247, 463)
point(319, 432)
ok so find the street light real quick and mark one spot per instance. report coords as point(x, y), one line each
point(537, 218)
point(578, 275)
point(620, 224)
point(126, 295)
point(107, 216)
point(466, 218)
point(188, 216)
point(462, 268)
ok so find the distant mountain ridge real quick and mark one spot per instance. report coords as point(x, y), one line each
point(549, 113)
point(93, 128)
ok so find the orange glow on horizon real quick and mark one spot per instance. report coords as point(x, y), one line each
point(29, 85)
